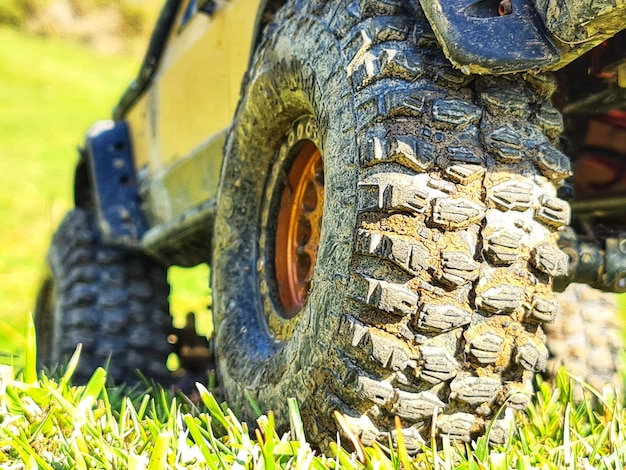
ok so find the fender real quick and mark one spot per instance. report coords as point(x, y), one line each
point(114, 192)
point(506, 36)
point(486, 37)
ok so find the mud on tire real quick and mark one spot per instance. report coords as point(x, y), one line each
point(113, 301)
point(438, 241)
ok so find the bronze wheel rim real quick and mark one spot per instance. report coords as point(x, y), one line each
point(298, 229)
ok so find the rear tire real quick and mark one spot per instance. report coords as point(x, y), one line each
point(113, 301)
point(586, 337)
point(434, 270)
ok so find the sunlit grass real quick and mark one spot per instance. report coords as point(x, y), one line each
point(50, 93)
point(46, 422)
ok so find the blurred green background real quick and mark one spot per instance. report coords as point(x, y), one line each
point(63, 66)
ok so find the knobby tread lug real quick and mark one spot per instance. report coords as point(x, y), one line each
point(517, 395)
point(81, 318)
point(464, 173)
point(531, 354)
point(457, 268)
point(437, 364)
point(550, 260)
point(506, 144)
point(456, 213)
point(378, 392)
point(411, 152)
point(550, 120)
point(391, 103)
point(78, 256)
point(388, 62)
point(458, 426)
point(486, 347)
point(112, 298)
point(385, 296)
point(442, 317)
point(365, 430)
point(352, 329)
point(463, 165)
point(500, 299)
point(388, 351)
point(543, 84)
point(403, 103)
point(343, 18)
point(80, 295)
point(415, 406)
point(553, 211)
point(442, 185)
point(553, 163)
point(451, 77)
point(512, 195)
point(502, 247)
point(392, 197)
point(413, 257)
point(498, 99)
point(411, 437)
point(381, 7)
point(454, 114)
point(374, 30)
point(475, 390)
point(82, 274)
point(543, 310)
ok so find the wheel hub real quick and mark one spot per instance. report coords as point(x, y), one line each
point(298, 228)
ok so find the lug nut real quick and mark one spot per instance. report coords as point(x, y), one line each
point(505, 7)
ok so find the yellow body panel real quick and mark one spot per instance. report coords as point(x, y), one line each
point(204, 59)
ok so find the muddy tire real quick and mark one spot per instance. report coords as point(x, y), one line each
point(586, 337)
point(113, 301)
point(433, 275)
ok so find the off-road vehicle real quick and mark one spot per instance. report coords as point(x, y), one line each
point(380, 188)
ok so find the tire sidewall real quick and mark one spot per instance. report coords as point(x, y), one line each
point(297, 72)
point(45, 320)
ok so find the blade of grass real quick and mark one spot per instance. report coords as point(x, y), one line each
point(349, 432)
point(295, 421)
point(344, 459)
point(202, 444)
point(253, 404)
point(137, 462)
point(158, 458)
point(567, 447)
point(30, 353)
point(212, 406)
point(401, 447)
point(71, 366)
point(266, 437)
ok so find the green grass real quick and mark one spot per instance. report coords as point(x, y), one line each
point(47, 423)
point(50, 93)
